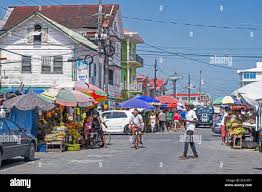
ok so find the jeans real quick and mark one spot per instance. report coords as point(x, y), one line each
point(162, 126)
point(189, 139)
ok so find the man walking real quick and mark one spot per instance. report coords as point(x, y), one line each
point(162, 121)
point(191, 120)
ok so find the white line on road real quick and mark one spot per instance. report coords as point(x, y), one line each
point(87, 161)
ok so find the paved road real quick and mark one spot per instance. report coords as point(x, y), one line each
point(160, 156)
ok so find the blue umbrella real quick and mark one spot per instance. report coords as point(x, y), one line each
point(147, 99)
point(135, 103)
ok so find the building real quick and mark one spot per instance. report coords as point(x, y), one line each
point(195, 98)
point(46, 45)
point(130, 62)
point(250, 75)
point(160, 87)
point(144, 80)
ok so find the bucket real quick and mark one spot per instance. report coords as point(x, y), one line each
point(41, 148)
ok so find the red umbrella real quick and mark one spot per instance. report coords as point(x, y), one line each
point(171, 101)
point(95, 92)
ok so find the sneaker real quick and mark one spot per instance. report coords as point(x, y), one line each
point(195, 157)
point(183, 157)
point(141, 143)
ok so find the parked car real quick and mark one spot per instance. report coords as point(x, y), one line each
point(205, 116)
point(117, 121)
point(14, 141)
point(216, 124)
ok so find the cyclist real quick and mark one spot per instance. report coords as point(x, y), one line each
point(136, 121)
point(97, 124)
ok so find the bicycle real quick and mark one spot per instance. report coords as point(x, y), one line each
point(136, 138)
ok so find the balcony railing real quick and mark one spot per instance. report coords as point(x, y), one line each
point(137, 58)
point(134, 86)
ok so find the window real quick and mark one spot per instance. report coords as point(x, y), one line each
point(111, 76)
point(117, 115)
point(26, 64)
point(58, 65)
point(37, 35)
point(106, 115)
point(3, 128)
point(193, 98)
point(184, 98)
point(46, 64)
point(250, 75)
point(12, 126)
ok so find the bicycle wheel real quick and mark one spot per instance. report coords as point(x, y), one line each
point(136, 145)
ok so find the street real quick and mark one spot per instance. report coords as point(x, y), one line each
point(159, 156)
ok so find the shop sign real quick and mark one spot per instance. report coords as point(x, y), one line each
point(82, 70)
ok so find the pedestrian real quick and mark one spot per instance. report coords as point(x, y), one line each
point(176, 119)
point(183, 118)
point(153, 121)
point(223, 126)
point(162, 121)
point(87, 129)
point(191, 120)
point(170, 115)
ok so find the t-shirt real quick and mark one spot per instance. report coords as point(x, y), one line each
point(137, 120)
point(169, 116)
point(162, 116)
point(176, 117)
point(223, 119)
point(183, 115)
point(190, 116)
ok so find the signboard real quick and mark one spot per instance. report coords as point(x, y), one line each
point(82, 71)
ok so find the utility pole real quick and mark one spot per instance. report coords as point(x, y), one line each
point(99, 38)
point(200, 82)
point(174, 79)
point(189, 88)
point(155, 78)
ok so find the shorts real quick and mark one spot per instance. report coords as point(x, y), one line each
point(176, 121)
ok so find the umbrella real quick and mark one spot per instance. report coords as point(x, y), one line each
point(218, 101)
point(252, 91)
point(29, 101)
point(171, 101)
point(147, 99)
point(76, 85)
point(73, 98)
point(68, 97)
point(135, 103)
point(95, 92)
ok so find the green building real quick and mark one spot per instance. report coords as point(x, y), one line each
point(130, 62)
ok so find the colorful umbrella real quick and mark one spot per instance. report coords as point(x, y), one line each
point(171, 101)
point(68, 97)
point(135, 103)
point(76, 85)
point(95, 92)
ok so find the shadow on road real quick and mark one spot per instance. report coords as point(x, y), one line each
point(14, 162)
point(260, 169)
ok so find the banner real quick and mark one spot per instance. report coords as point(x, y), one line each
point(82, 71)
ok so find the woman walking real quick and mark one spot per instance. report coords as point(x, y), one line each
point(153, 121)
point(176, 119)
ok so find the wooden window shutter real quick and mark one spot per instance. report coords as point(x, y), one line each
point(45, 35)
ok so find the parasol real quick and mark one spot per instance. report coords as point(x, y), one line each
point(29, 101)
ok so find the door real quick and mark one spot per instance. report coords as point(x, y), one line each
point(20, 139)
point(8, 151)
point(108, 121)
point(120, 120)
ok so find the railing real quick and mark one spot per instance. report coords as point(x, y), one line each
point(137, 58)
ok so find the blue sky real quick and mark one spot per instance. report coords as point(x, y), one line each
point(176, 38)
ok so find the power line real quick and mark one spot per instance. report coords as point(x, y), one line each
point(179, 55)
point(190, 24)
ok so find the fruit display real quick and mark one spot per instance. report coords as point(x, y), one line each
point(75, 135)
point(237, 131)
point(58, 134)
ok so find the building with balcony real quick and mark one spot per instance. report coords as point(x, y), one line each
point(195, 98)
point(130, 62)
point(250, 75)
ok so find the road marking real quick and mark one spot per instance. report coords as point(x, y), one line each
point(87, 161)
point(105, 155)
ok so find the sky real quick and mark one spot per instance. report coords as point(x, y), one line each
point(188, 39)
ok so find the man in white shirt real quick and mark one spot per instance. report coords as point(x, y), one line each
point(191, 120)
point(136, 120)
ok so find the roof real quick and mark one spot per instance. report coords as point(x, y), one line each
point(159, 83)
point(257, 69)
point(134, 36)
point(186, 95)
point(141, 77)
point(72, 34)
point(70, 16)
